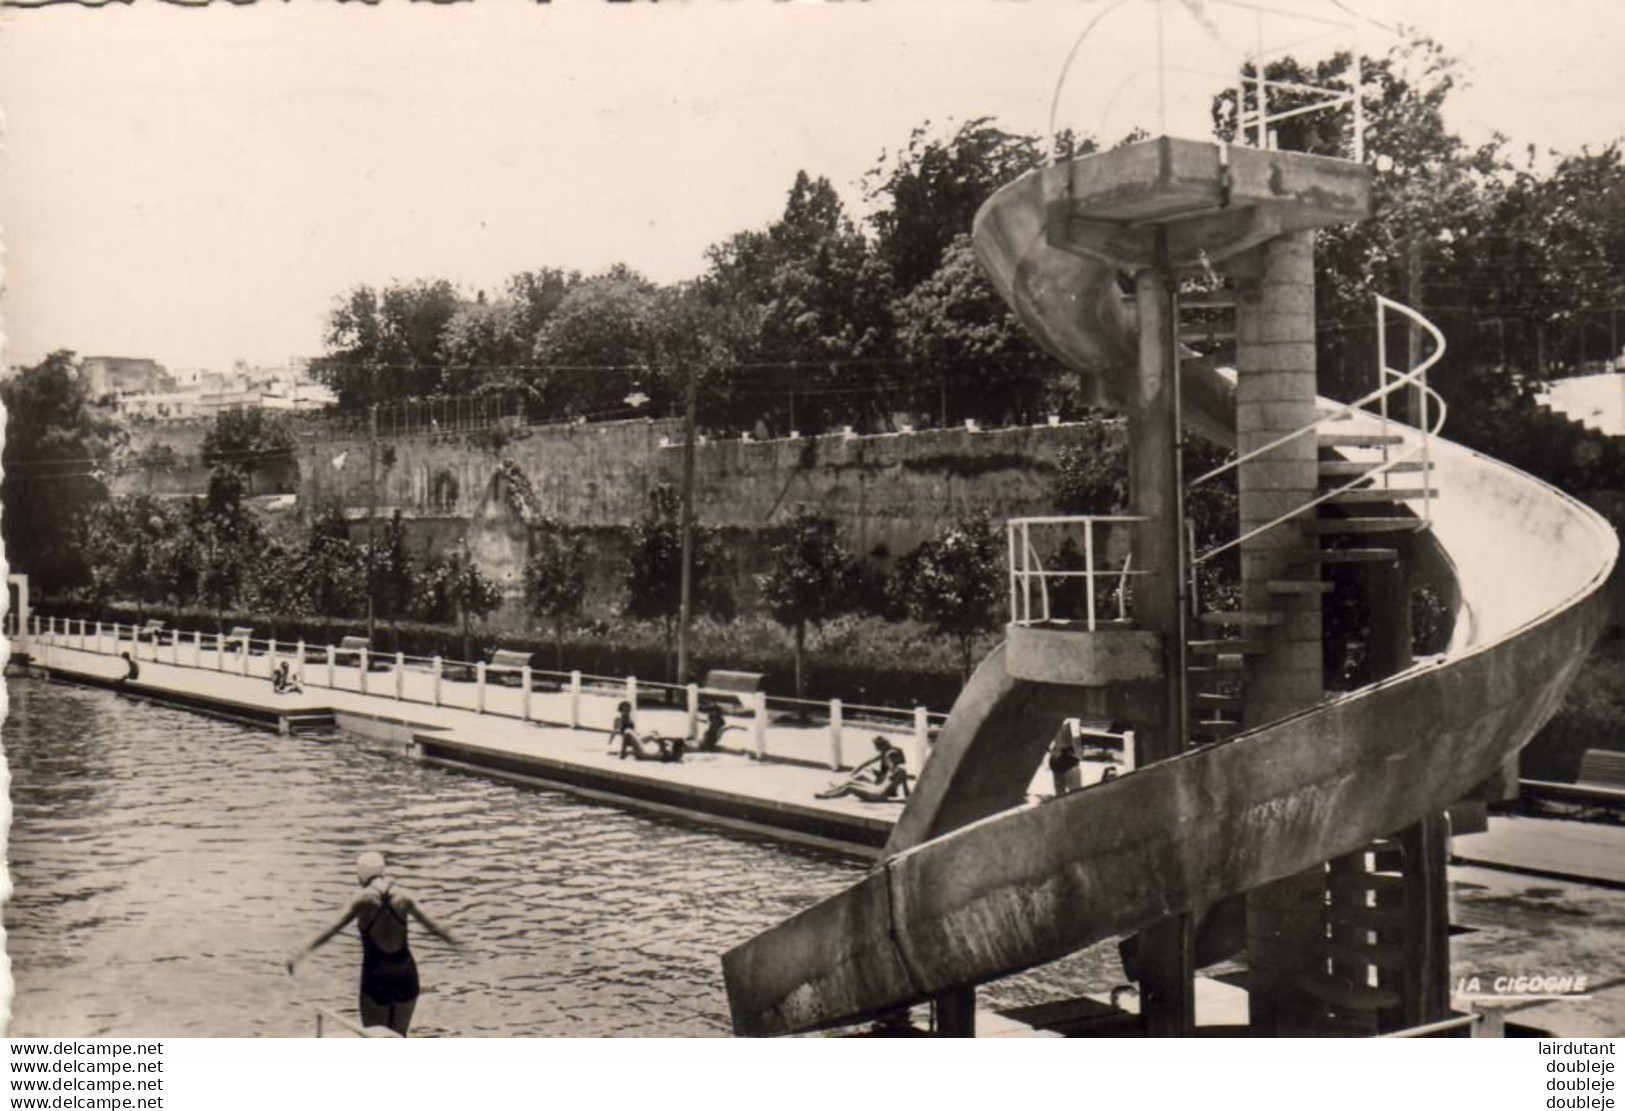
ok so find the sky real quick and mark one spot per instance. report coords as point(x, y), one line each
point(198, 185)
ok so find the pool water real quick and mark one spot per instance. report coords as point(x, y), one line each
point(166, 864)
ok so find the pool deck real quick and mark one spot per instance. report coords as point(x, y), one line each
point(774, 796)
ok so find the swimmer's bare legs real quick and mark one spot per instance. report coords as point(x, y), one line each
point(396, 1016)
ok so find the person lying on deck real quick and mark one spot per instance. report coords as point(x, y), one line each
point(283, 682)
point(652, 746)
point(892, 784)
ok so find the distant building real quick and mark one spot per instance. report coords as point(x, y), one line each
point(117, 376)
point(210, 391)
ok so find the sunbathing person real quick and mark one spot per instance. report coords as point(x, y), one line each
point(283, 682)
point(715, 726)
point(653, 746)
point(891, 786)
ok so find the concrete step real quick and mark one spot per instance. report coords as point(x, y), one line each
point(1358, 439)
point(1206, 700)
point(1207, 301)
point(1228, 647)
point(1358, 883)
point(1351, 468)
point(1252, 619)
point(1379, 494)
point(1298, 586)
point(1336, 526)
point(1366, 918)
point(1190, 334)
point(1344, 555)
point(1379, 955)
point(1349, 997)
point(1217, 668)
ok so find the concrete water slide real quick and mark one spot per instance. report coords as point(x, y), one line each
point(977, 886)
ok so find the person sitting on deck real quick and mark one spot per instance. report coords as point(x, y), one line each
point(891, 784)
point(623, 727)
point(389, 975)
point(132, 670)
point(873, 770)
point(283, 682)
point(715, 726)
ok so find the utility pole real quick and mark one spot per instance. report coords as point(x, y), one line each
point(372, 513)
point(685, 611)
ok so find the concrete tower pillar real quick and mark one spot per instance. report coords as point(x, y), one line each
point(1275, 395)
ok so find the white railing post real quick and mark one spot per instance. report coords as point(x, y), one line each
point(439, 668)
point(1015, 613)
point(361, 682)
point(693, 711)
point(921, 738)
point(247, 643)
point(270, 656)
point(758, 724)
point(575, 700)
point(400, 676)
point(99, 638)
point(331, 678)
point(1128, 751)
point(299, 657)
point(524, 697)
point(1089, 566)
point(632, 692)
point(479, 688)
point(835, 734)
point(197, 647)
point(175, 648)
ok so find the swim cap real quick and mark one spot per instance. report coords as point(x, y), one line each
point(369, 866)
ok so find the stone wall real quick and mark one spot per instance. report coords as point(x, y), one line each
point(888, 493)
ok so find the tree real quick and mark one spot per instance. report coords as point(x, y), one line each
point(57, 454)
point(654, 569)
point(331, 570)
point(807, 298)
point(812, 579)
point(454, 588)
point(953, 583)
point(954, 329)
point(600, 347)
point(381, 346)
point(928, 193)
point(227, 538)
point(249, 441)
point(390, 581)
point(123, 545)
point(555, 579)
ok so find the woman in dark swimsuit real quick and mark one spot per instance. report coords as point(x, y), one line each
point(389, 975)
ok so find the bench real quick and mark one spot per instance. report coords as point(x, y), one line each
point(1601, 767)
point(154, 631)
point(732, 686)
point(237, 640)
point(507, 667)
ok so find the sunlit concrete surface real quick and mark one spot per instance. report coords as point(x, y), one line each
point(1595, 400)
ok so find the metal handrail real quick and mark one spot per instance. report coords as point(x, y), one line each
point(1025, 566)
point(1393, 381)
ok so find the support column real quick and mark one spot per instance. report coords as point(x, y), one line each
point(1423, 979)
point(1166, 949)
point(1275, 394)
point(956, 1013)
